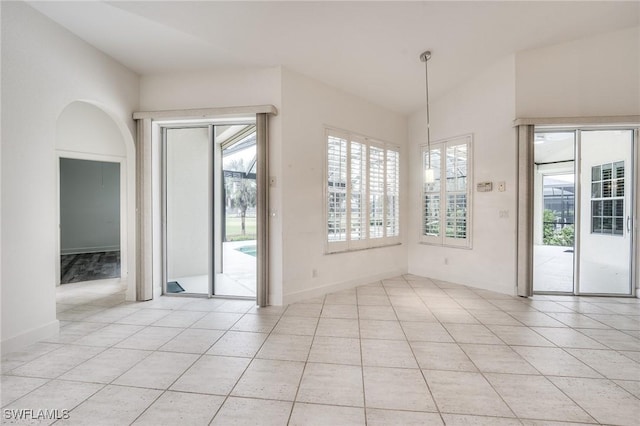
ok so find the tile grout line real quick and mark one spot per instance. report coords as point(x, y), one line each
point(474, 364)
point(228, 395)
point(364, 392)
point(468, 310)
point(435, 403)
point(304, 368)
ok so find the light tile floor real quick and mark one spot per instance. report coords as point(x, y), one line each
point(408, 350)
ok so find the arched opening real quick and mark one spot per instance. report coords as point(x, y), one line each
point(90, 139)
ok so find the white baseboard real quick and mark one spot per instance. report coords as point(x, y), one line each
point(29, 337)
point(344, 285)
point(82, 250)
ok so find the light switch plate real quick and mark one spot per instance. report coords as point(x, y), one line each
point(484, 186)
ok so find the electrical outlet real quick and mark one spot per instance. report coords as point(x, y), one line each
point(502, 186)
point(504, 214)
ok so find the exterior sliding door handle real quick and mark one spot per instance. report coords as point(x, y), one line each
point(628, 223)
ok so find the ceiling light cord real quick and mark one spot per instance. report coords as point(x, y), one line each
point(424, 57)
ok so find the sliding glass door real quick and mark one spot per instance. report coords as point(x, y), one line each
point(236, 267)
point(210, 200)
point(188, 250)
point(606, 211)
point(583, 211)
point(554, 212)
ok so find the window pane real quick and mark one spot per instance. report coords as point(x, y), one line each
point(456, 216)
point(618, 208)
point(363, 190)
point(358, 191)
point(432, 215)
point(607, 198)
point(337, 189)
point(454, 158)
point(435, 166)
point(376, 192)
point(393, 193)
point(596, 208)
point(596, 224)
point(606, 189)
point(456, 168)
point(618, 186)
point(450, 170)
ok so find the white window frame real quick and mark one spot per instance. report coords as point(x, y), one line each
point(441, 239)
point(366, 241)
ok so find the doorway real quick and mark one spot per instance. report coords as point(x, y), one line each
point(584, 186)
point(210, 195)
point(89, 220)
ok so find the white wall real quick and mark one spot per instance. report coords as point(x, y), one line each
point(89, 206)
point(85, 130)
point(83, 127)
point(213, 88)
point(296, 160)
point(307, 107)
point(484, 107)
point(44, 69)
point(595, 76)
point(224, 88)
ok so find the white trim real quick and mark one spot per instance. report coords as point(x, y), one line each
point(298, 296)
point(125, 227)
point(205, 113)
point(81, 250)
point(22, 340)
point(621, 120)
point(525, 240)
point(366, 242)
point(441, 239)
point(362, 136)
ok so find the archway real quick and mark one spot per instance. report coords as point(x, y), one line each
point(87, 130)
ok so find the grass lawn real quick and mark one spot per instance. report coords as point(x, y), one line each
point(234, 228)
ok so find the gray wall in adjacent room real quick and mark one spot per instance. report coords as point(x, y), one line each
point(89, 206)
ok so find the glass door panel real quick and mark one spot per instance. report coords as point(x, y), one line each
point(187, 210)
point(554, 224)
point(236, 265)
point(606, 211)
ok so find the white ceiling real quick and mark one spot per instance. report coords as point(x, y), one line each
point(370, 49)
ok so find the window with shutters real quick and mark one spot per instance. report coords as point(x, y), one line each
point(446, 208)
point(607, 198)
point(362, 192)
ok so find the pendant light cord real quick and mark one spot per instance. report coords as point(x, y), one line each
point(424, 57)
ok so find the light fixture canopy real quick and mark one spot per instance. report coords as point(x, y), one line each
point(429, 173)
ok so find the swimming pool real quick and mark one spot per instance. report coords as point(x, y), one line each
point(250, 250)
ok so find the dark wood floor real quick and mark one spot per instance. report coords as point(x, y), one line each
point(89, 266)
